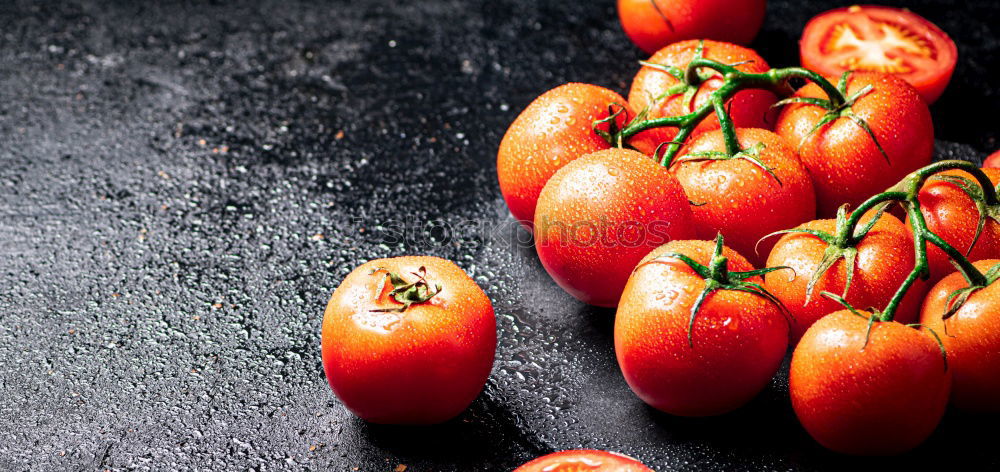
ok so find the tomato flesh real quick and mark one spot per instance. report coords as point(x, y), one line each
point(880, 39)
point(583, 460)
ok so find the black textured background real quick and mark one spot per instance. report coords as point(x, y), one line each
point(182, 186)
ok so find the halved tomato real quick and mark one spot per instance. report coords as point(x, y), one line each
point(881, 39)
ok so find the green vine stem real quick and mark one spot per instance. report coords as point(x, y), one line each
point(905, 193)
point(734, 81)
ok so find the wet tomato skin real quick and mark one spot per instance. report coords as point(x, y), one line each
point(653, 24)
point(422, 366)
point(551, 131)
point(881, 39)
point(749, 108)
point(880, 398)
point(583, 460)
point(971, 338)
point(738, 198)
point(842, 158)
point(885, 258)
point(950, 213)
point(739, 339)
point(600, 214)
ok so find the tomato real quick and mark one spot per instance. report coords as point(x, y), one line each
point(653, 24)
point(950, 213)
point(880, 39)
point(600, 214)
point(749, 108)
point(553, 130)
point(408, 340)
point(884, 259)
point(583, 460)
point(843, 159)
point(737, 342)
point(992, 161)
point(740, 199)
point(882, 397)
point(972, 339)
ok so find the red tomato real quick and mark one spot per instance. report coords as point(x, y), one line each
point(972, 339)
point(553, 130)
point(950, 213)
point(992, 161)
point(421, 363)
point(740, 199)
point(584, 460)
point(884, 259)
point(882, 397)
point(600, 214)
point(880, 39)
point(736, 345)
point(749, 108)
point(843, 159)
point(653, 24)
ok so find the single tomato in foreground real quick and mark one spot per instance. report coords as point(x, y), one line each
point(600, 214)
point(653, 24)
point(847, 162)
point(408, 340)
point(553, 130)
point(861, 393)
point(763, 189)
point(950, 212)
point(584, 460)
point(658, 89)
point(971, 336)
point(880, 39)
point(691, 359)
point(882, 259)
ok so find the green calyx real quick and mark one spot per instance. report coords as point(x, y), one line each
point(613, 134)
point(718, 277)
point(688, 81)
point(842, 244)
point(958, 298)
point(751, 154)
point(408, 293)
point(978, 197)
point(837, 109)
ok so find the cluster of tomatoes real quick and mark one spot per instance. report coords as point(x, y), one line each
point(712, 207)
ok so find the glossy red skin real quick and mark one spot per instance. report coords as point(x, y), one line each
point(929, 75)
point(739, 199)
point(992, 161)
point(583, 460)
point(844, 162)
point(600, 214)
point(884, 260)
point(951, 214)
point(422, 366)
point(882, 398)
point(972, 340)
point(749, 108)
point(739, 338)
point(722, 20)
point(553, 130)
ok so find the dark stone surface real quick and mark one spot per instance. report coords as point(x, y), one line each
point(182, 186)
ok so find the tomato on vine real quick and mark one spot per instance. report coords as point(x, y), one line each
point(862, 145)
point(600, 214)
point(662, 87)
point(861, 384)
point(967, 316)
point(583, 460)
point(408, 340)
point(553, 130)
point(880, 39)
point(696, 334)
point(760, 189)
point(862, 258)
point(992, 161)
point(653, 24)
